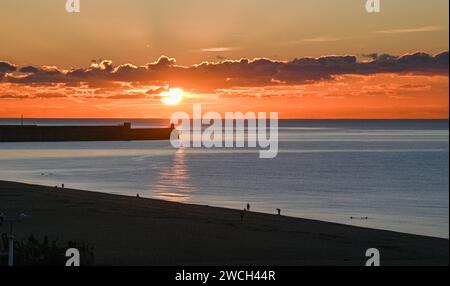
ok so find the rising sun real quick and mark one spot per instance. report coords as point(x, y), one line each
point(173, 96)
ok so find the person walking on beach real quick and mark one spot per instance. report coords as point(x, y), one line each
point(242, 215)
point(248, 207)
point(2, 218)
point(279, 211)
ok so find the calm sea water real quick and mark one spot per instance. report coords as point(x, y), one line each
point(393, 172)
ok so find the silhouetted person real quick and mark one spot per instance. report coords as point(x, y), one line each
point(137, 196)
point(2, 218)
point(279, 211)
point(62, 186)
point(248, 207)
point(242, 215)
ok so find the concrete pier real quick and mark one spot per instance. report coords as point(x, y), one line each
point(35, 133)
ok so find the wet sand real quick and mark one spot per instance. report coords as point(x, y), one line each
point(137, 231)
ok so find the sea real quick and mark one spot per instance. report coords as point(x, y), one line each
point(383, 174)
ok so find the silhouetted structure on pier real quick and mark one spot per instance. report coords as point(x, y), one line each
point(35, 133)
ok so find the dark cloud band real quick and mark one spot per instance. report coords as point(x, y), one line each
point(245, 72)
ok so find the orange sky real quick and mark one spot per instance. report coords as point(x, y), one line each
point(45, 71)
point(347, 96)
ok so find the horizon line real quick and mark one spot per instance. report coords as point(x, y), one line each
point(149, 118)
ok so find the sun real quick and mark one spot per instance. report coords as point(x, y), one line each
point(172, 97)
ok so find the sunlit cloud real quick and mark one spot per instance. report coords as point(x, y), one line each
point(325, 39)
point(412, 30)
point(218, 49)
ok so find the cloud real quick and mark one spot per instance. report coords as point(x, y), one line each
point(156, 91)
point(28, 69)
point(42, 95)
point(324, 39)
point(382, 58)
point(6, 67)
point(46, 95)
point(128, 96)
point(12, 96)
point(217, 49)
point(412, 30)
point(228, 73)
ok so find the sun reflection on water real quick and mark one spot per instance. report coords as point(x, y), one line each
point(174, 181)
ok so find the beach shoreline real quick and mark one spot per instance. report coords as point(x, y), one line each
point(138, 231)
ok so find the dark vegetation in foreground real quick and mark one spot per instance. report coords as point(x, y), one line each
point(33, 252)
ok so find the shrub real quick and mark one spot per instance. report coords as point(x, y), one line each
point(33, 252)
